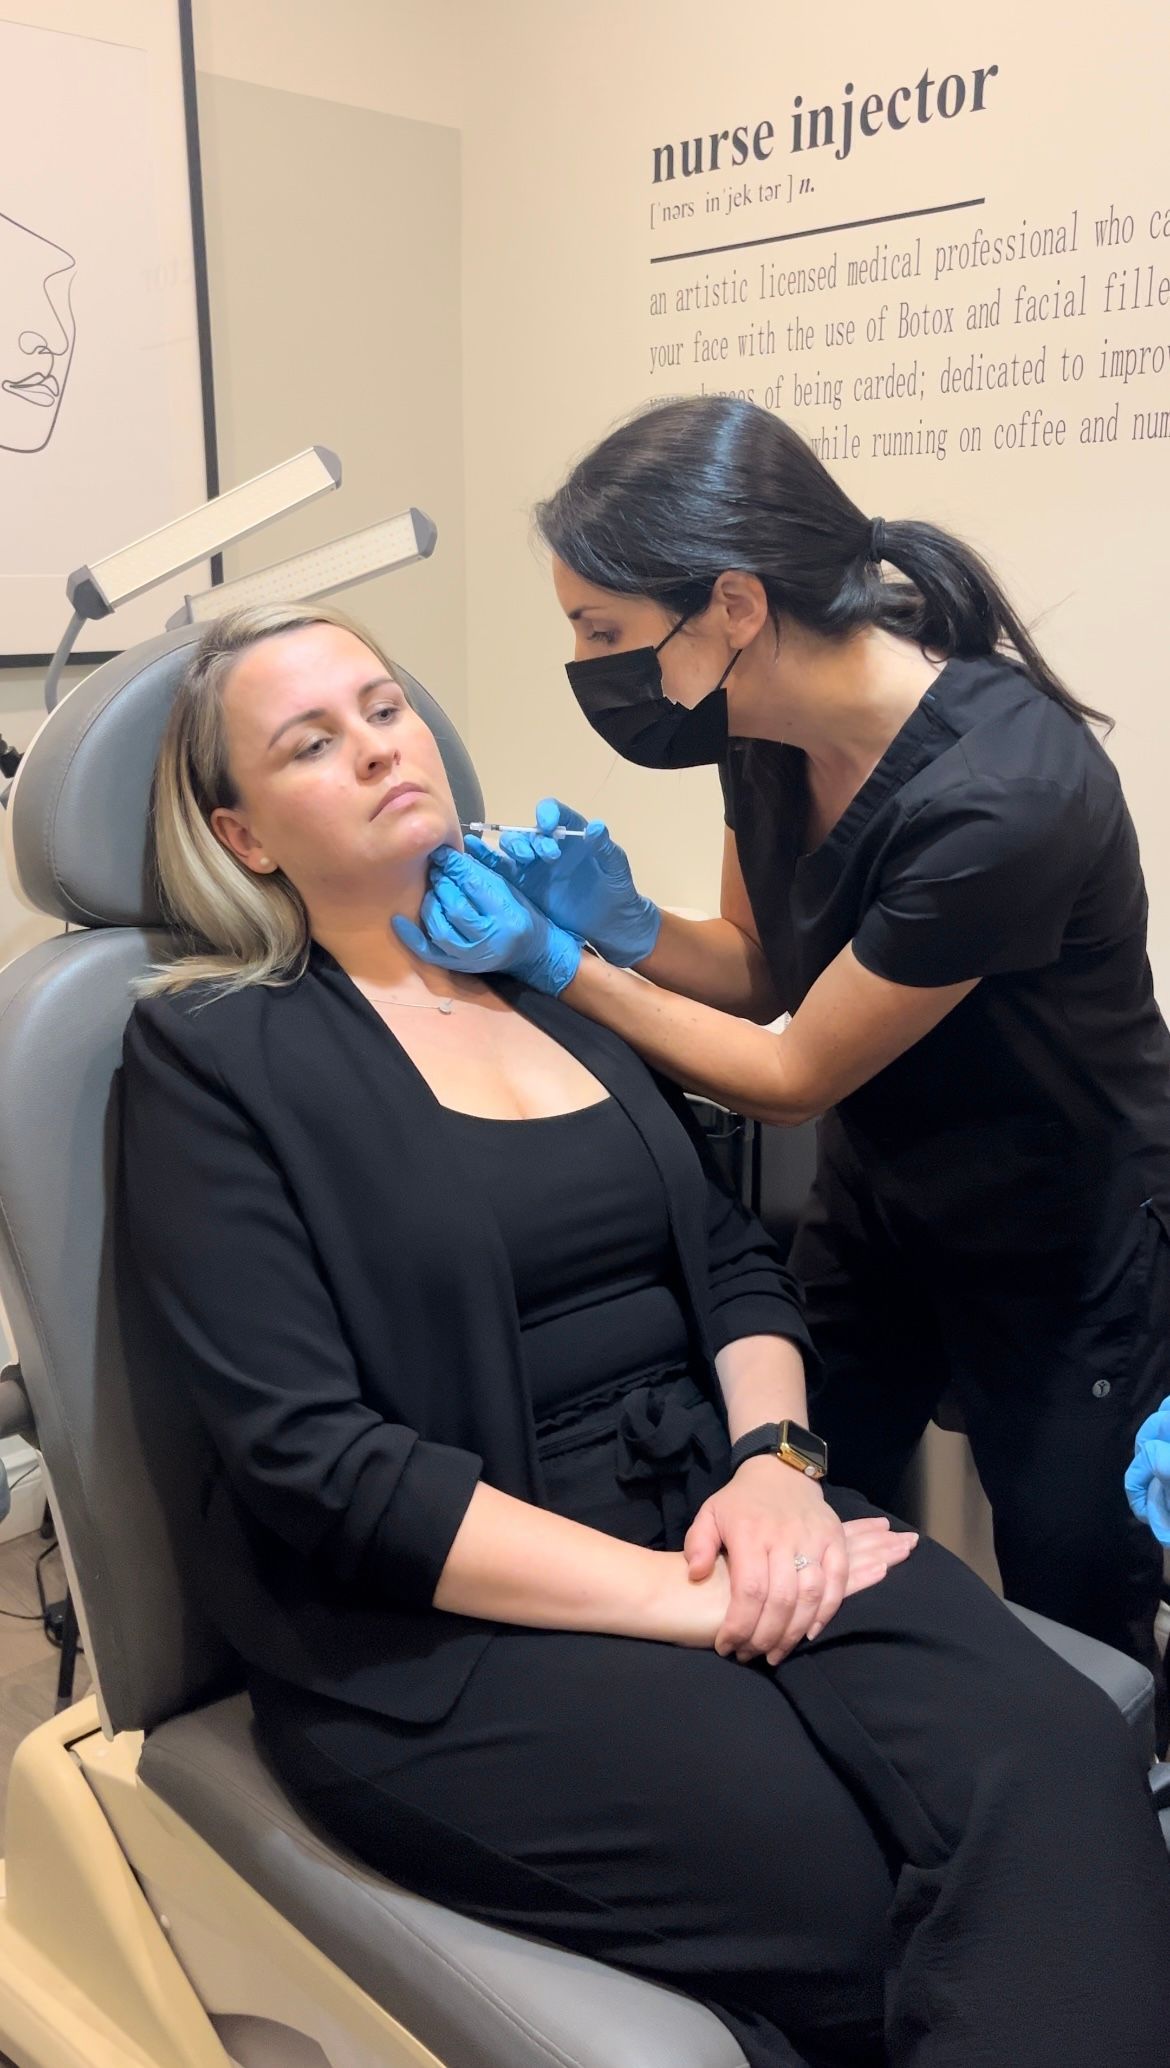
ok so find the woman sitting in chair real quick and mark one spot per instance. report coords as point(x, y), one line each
point(473, 1328)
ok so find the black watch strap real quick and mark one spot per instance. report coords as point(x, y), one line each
point(790, 1441)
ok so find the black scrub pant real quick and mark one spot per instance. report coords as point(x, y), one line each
point(923, 1841)
point(1052, 1370)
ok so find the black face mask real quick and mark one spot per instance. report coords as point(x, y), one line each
point(621, 695)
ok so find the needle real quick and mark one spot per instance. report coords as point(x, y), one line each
point(530, 832)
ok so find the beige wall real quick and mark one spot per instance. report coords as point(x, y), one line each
point(558, 332)
point(332, 174)
point(334, 285)
point(402, 57)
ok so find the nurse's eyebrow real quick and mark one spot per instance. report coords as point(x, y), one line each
point(583, 610)
point(307, 717)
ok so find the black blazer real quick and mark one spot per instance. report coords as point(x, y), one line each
point(308, 1261)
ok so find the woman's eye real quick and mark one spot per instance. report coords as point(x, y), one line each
point(387, 711)
point(605, 638)
point(309, 751)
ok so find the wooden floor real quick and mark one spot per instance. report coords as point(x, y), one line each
point(28, 1662)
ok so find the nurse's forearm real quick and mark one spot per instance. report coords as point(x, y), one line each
point(512, 1562)
point(714, 961)
point(716, 1053)
point(851, 1025)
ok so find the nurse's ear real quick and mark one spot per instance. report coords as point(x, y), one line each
point(739, 607)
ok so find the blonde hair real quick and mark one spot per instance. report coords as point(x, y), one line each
point(235, 928)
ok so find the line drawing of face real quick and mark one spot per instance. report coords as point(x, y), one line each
point(37, 334)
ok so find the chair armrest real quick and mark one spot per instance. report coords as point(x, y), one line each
point(1126, 1683)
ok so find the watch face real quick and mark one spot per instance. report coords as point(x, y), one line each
point(810, 1451)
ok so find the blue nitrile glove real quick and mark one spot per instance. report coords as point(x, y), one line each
point(1147, 1482)
point(584, 885)
point(475, 922)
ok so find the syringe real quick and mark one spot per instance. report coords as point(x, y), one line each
point(481, 826)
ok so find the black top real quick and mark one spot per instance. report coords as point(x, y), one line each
point(626, 1440)
point(991, 841)
point(305, 1256)
point(584, 1221)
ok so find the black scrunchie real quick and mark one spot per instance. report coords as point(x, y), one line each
point(877, 541)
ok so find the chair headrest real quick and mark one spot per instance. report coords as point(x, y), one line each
point(78, 818)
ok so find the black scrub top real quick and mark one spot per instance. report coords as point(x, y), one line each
point(991, 841)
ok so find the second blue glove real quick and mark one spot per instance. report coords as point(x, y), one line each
point(1147, 1482)
point(584, 885)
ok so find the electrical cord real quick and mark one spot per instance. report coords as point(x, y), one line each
point(52, 1615)
point(48, 1614)
point(45, 1617)
point(15, 1615)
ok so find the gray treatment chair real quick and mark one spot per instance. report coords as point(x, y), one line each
point(164, 1904)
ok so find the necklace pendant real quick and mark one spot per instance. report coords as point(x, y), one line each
point(446, 1005)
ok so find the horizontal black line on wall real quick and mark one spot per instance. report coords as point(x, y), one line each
point(862, 222)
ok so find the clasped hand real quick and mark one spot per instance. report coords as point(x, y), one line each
point(760, 1523)
point(474, 921)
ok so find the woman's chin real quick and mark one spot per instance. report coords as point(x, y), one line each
point(418, 831)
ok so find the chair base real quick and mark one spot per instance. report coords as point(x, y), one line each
point(172, 1963)
point(87, 1979)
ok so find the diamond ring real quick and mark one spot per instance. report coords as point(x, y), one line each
point(800, 1561)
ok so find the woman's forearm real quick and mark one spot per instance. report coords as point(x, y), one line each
point(762, 1380)
point(714, 961)
point(511, 1562)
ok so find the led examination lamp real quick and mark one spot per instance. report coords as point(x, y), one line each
point(341, 564)
point(95, 591)
point(377, 549)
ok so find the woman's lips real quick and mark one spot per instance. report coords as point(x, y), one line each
point(40, 388)
point(405, 793)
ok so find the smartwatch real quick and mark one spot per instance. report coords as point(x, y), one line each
point(788, 1442)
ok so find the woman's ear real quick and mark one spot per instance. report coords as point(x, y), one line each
point(743, 602)
point(233, 833)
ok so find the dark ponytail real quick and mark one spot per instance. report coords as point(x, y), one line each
point(688, 489)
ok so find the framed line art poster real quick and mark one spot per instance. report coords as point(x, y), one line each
point(106, 416)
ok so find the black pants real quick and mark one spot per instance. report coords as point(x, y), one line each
point(1052, 1371)
point(923, 1841)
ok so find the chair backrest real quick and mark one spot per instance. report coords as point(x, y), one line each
point(123, 1454)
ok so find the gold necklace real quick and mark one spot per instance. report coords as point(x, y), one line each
point(443, 1005)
